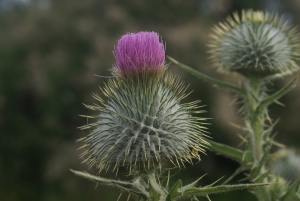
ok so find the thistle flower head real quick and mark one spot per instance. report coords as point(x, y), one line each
point(139, 53)
point(143, 124)
point(257, 44)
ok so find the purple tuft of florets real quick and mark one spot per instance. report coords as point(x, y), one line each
point(139, 53)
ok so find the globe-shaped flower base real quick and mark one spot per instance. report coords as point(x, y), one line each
point(142, 124)
point(257, 44)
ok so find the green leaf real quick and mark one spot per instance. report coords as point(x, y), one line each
point(256, 175)
point(236, 172)
point(292, 193)
point(207, 78)
point(189, 186)
point(135, 188)
point(174, 190)
point(194, 198)
point(277, 95)
point(227, 151)
point(216, 189)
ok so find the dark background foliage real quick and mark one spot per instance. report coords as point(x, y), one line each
point(49, 51)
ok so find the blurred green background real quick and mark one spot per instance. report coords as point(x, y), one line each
point(49, 51)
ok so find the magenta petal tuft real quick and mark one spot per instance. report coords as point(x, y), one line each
point(138, 53)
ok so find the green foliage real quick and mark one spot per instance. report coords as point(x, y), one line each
point(293, 192)
point(135, 188)
point(139, 188)
point(252, 31)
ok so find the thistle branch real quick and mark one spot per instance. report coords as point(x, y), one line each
point(227, 151)
point(215, 189)
point(135, 188)
point(156, 187)
point(207, 78)
point(277, 95)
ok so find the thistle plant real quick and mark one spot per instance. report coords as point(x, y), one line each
point(142, 125)
point(261, 47)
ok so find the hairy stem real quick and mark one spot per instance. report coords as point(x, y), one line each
point(205, 77)
point(157, 190)
point(256, 118)
point(255, 94)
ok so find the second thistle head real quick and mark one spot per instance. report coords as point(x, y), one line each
point(286, 163)
point(143, 122)
point(257, 44)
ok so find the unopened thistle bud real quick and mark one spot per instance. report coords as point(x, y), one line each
point(143, 123)
point(257, 44)
point(286, 163)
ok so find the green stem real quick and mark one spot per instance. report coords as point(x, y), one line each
point(157, 190)
point(256, 122)
point(206, 78)
point(255, 118)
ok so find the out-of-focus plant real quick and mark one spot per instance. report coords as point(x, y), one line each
point(286, 163)
point(143, 125)
point(262, 48)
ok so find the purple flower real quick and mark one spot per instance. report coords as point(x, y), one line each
point(139, 53)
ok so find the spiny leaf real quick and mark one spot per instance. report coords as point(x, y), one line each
point(292, 192)
point(174, 190)
point(277, 95)
point(190, 186)
point(215, 181)
point(236, 172)
point(207, 78)
point(217, 189)
point(135, 188)
point(227, 151)
point(194, 198)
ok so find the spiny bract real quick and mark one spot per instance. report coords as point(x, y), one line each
point(143, 123)
point(257, 44)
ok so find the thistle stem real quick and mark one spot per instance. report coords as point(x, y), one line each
point(255, 118)
point(255, 94)
point(156, 188)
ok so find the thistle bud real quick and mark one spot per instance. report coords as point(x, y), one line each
point(286, 163)
point(257, 44)
point(143, 123)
